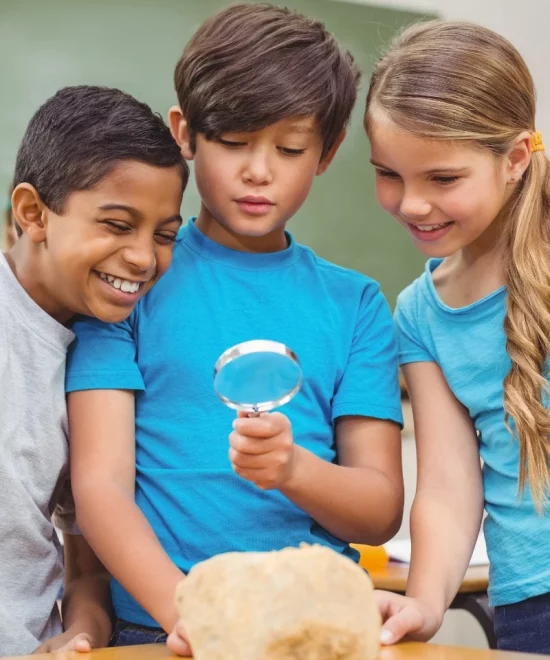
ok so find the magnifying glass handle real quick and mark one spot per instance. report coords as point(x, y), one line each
point(255, 413)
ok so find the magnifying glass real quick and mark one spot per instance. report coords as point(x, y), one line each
point(257, 376)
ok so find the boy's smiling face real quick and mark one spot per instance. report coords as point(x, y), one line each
point(252, 183)
point(110, 244)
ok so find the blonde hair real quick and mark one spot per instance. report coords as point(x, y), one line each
point(448, 80)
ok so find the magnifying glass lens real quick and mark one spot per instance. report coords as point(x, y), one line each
point(257, 376)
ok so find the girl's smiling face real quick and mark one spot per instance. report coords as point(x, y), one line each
point(446, 194)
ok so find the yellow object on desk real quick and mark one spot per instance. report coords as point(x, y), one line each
point(373, 557)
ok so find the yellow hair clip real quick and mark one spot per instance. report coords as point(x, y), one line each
point(536, 141)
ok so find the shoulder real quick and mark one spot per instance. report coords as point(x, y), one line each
point(411, 300)
point(335, 275)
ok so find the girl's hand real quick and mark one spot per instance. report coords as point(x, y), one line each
point(403, 616)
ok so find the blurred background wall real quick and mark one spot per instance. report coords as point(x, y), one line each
point(134, 45)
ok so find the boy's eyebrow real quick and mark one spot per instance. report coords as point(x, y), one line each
point(382, 167)
point(137, 214)
point(121, 207)
point(302, 128)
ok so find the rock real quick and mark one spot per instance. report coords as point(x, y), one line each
point(307, 603)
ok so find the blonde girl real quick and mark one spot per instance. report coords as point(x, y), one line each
point(459, 164)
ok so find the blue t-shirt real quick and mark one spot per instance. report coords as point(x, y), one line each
point(211, 298)
point(469, 344)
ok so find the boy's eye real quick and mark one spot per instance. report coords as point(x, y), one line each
point(117, 226)
point(291, 152)
point(445, 180)
point(386, 174)
point(232, 144)
point(165, 237)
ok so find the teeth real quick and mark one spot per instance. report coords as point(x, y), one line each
point(124, 285)
point(429, 227)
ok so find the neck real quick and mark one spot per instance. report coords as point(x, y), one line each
point(25, 260)
point(275, 241)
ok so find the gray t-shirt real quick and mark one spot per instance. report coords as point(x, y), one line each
point(33, 466)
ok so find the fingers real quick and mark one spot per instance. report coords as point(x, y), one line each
point(262, 449)
point(407, 621)
point(273, 459)
point(244, 444)
point(389, 603)
point(177, 641)
point(82, 643)
point(400, 616)
point(264, 426)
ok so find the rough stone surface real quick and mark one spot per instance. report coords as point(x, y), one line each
point(307, 603)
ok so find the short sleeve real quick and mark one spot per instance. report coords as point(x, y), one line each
point(370, 386)
point(103, 357)
point(410, 345)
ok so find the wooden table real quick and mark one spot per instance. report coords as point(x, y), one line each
point(408, 651)
point(472, 595)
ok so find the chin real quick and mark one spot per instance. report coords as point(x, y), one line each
point(113, 315)
point(435, 251)
point(254, 227)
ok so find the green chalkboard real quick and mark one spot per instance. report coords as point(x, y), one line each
point(134, 45)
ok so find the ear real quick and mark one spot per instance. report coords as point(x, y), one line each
point(519, 157)
point(29, 211)
point(180, 131)
point(327, 159)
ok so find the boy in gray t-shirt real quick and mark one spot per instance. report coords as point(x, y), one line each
point(97, 194)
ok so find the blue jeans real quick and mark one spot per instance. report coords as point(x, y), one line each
point(524, 626)
point(132, 634)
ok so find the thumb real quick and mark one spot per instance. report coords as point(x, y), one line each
point(177, 641)
point(81, 643)
point(400, 624)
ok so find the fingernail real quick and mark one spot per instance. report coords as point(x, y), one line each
point(235, 423)
point(386, 637)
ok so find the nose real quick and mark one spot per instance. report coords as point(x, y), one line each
point(414, 205)
point(257, 169)
point(140, 254)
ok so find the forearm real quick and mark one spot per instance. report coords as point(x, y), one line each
point(355, 504)
point(87, 607)
point(443, 536)
point(125, 543)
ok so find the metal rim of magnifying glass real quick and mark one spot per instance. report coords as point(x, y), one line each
point(257, 346)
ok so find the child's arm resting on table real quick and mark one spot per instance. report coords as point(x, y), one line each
point(102, 435)
point(447, 509)
point(86, 601)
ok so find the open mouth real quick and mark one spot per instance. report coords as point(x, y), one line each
point(126, 286)
point(431, 228)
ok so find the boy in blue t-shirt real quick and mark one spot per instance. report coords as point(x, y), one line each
point(265, 95)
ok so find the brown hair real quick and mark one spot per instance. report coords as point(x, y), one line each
point(449, 80)
point(252, 65)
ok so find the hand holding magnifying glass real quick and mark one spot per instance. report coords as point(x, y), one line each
point(256, 377)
